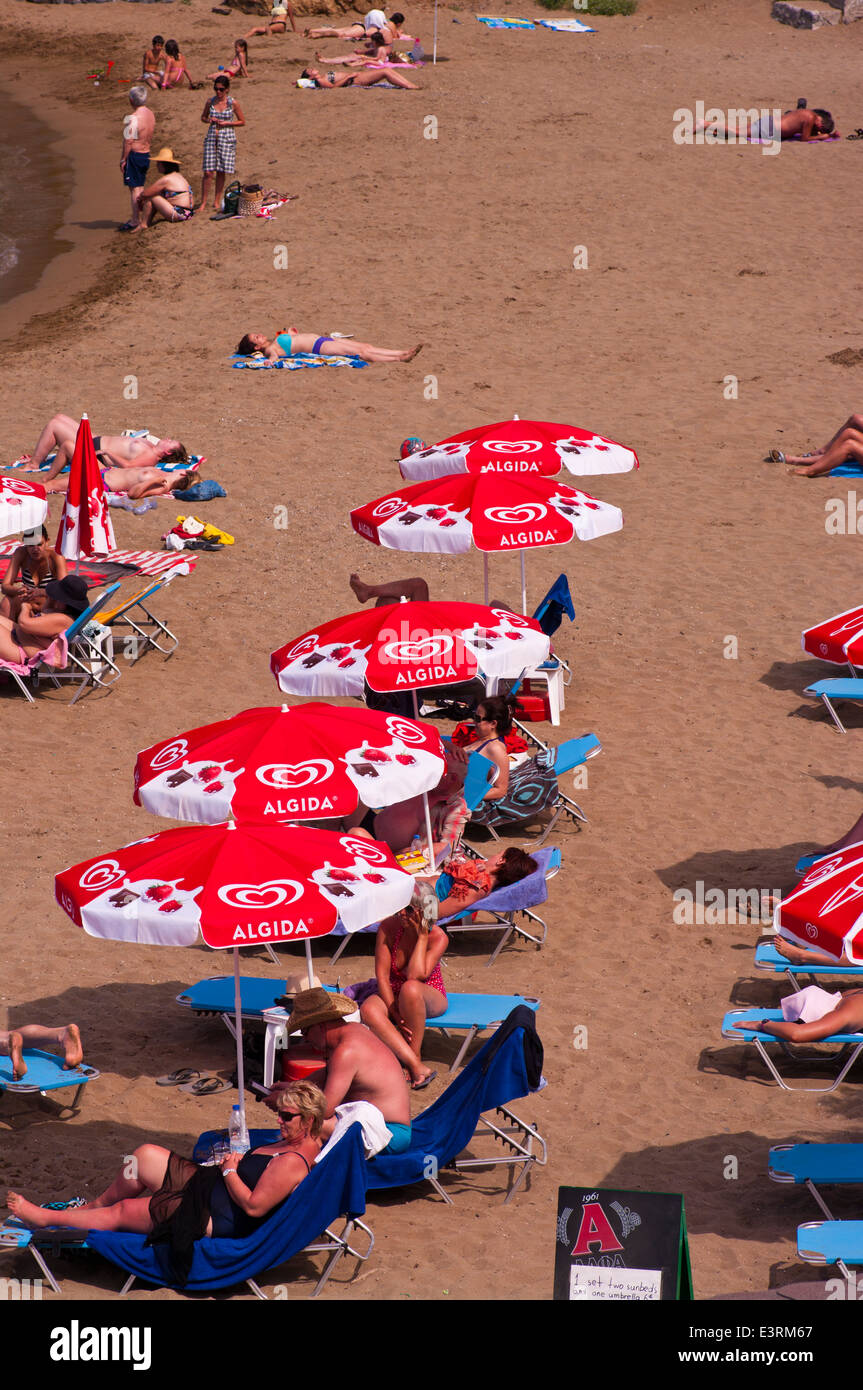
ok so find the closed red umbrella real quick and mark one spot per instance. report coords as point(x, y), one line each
point(85, 522)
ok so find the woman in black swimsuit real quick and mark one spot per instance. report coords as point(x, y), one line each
point(492, 723)
point(169, 1190)
point(367, 78)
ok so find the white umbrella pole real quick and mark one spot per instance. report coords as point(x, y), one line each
point(429, 835)
point(434, 54)
point(523, 585)
point(485, 575)
point(238, 1023)
point(309, 964)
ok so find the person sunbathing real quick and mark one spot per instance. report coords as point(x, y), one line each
point(806, 955)
point(409, 987)
point(289, 343)
point(374, 20)
point(492, 723)
point(36, 630)
point(846, 446)
point(375, 51)
point(803, 123)
point(398, 826)
point(30, 567)
point(14, 1040)
point(134, 482)
point(416, 590)
point(360, 79)
point(226, 1201)
point(117, 450)
point(277, 23)
point(239, 64)
point(847, 1017)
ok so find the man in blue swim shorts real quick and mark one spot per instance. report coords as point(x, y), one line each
point(358, 1065)
point(138, 128)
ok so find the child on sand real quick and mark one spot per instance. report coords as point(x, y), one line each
point(14, 1040)
point(175, 68)
point(238, 66)
point(154, 62)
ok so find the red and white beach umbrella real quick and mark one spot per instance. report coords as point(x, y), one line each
point(23, 506)
point(85, 522)
point(520, 447)
point(838, 639)
point(409, 646)
point(826, 910)
point(311, 762)
point(234, 886)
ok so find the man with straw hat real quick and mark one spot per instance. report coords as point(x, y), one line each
point(358, 1065)
point(171, 195)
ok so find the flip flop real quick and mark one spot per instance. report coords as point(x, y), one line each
point(127, 227)
point(207, 1086)
point(858, 134)
point(176, 1078)
point(426, 1081)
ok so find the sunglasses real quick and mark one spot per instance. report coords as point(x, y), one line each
point(289, 1115)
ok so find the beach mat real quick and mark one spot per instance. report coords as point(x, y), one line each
point(295, 363)
point(93, 572)
point(500, 22)
point(566, 26)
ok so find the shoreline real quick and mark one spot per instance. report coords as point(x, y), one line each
point(82, 238)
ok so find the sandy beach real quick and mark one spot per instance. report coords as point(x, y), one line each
point(704, 263)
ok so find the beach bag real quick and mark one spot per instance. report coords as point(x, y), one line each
point(250, 200)
point(231, 200)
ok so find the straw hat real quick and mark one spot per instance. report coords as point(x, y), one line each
point(166, 156)
point(313, 1006)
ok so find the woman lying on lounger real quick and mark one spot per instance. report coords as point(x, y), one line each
point(847, 1017)
point(289, 342)
point(134, 482)
point(14, 1040)
point(409, 987)
point(230, 1200)
point(34, 631)
point(361, 79)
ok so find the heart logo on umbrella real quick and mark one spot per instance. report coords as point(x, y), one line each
point(427, 649)
point(282, 775)
point(389, 506)
point(170, 753)
point(100, 875)
point(303, 647)
point(363, 849)
point(408, 733)
point(261, 895)
point(517, 516)
point(512, 446)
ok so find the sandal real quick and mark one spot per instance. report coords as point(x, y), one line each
point(176, 1078)
point(426, 1081)
point(207, 1086)
point(858, 134)
point(775, 456)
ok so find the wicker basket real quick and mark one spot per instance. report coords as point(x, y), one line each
point(251, 198)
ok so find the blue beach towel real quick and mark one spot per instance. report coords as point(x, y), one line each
point(567, 26)
point(497, 22)
point(295, 363)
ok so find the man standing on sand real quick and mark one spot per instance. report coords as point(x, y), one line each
point(138, 128)
point(358, 1065)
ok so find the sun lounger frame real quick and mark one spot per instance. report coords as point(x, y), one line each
point(849, 1043)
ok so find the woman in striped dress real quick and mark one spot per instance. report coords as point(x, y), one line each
point(222, 116)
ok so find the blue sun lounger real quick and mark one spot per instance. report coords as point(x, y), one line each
point(45, 1072)
point(830, 1165)
point(850, 1042)
point(475, 1106)
point(334, 1188)
point(470, 1013)
point(843, 688)
point(768, 958)
point(831, 1243)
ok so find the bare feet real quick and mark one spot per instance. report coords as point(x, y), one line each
point(16, 1051)
point(409, 356)
point(796, 954)
point(70, 1037)
point(28, 1212)
point(362, 591)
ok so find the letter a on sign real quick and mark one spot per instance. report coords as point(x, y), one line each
point(595, 1230)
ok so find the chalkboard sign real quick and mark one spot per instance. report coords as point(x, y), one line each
point(620, 1246)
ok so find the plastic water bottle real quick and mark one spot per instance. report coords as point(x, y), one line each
point(238, 1135)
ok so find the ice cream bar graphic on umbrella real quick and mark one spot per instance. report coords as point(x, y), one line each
point(520, 447)
point(85, 521)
